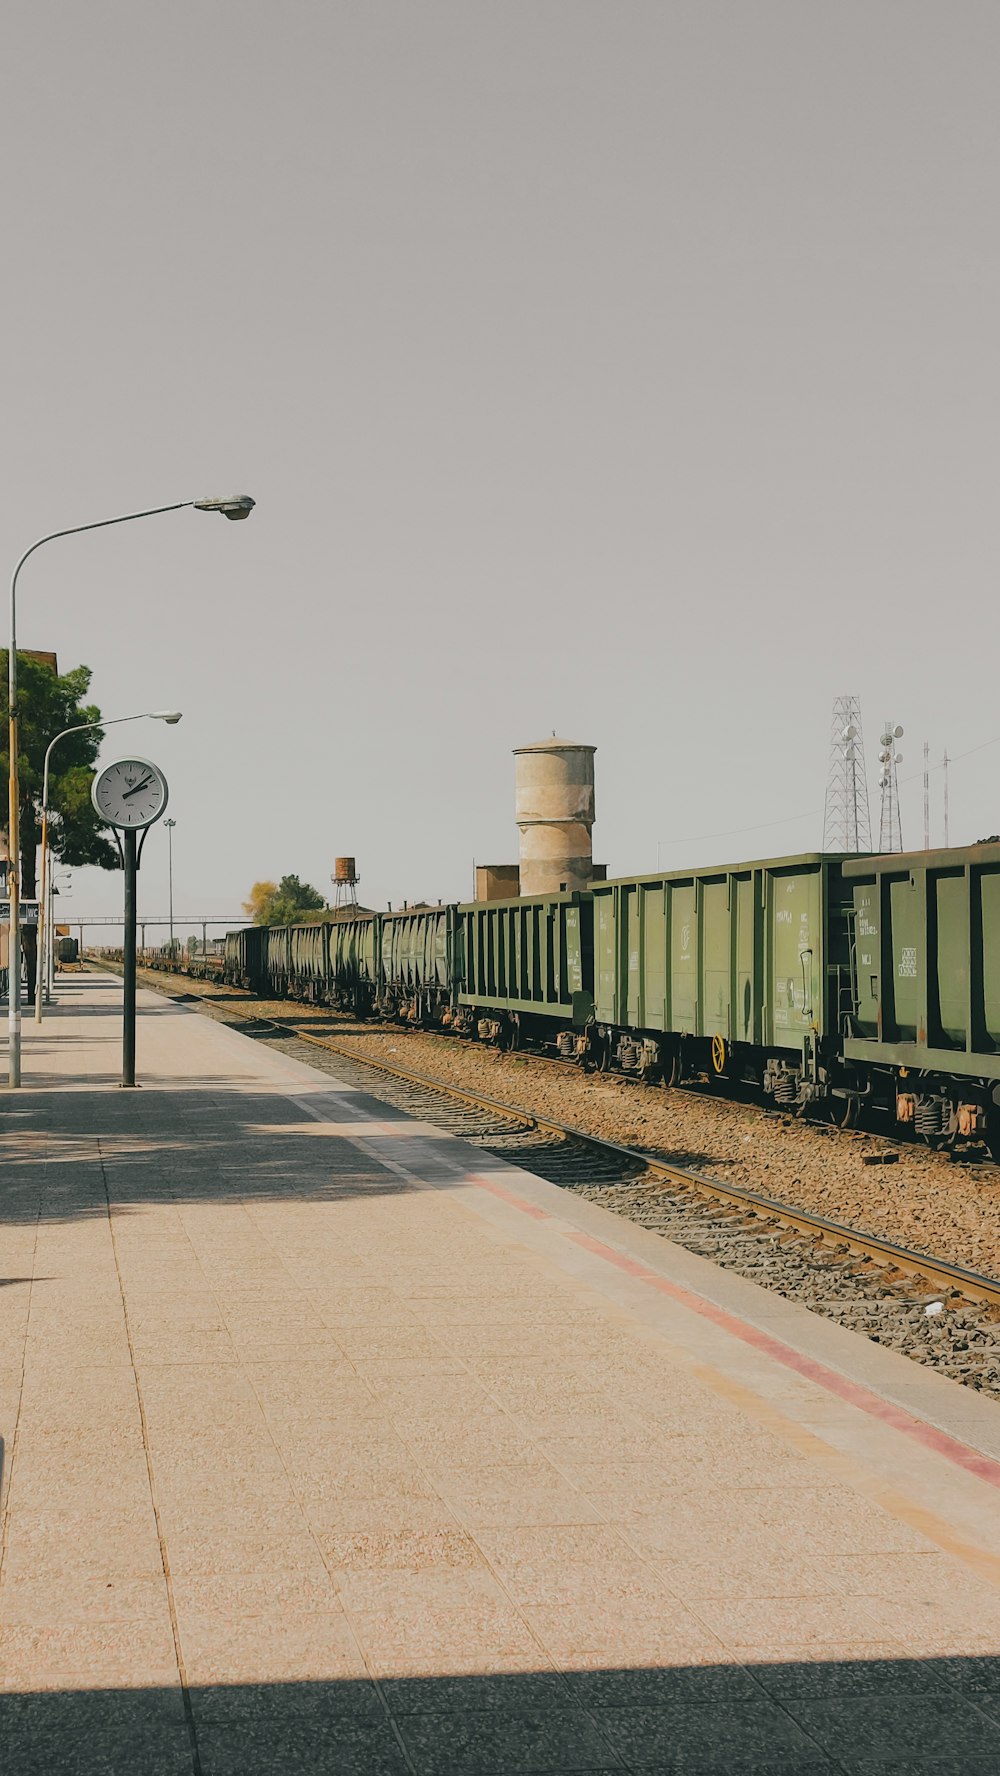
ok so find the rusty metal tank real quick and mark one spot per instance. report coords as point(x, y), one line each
point(345, 869)
point(554, 790)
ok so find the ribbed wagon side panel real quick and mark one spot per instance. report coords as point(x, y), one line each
point(353, 959)
point(529, 956)
point(927, 943)
point(308, 956)
point(278, 956)
point(740, 953)
point(988, 928)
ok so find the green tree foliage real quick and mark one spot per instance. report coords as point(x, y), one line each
point(47, 703)
point(288, 902)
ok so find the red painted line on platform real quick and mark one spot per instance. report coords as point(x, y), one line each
point(853, 1392)
point(508, 1196)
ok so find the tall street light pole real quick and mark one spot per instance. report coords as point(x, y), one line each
point(171, 716)
point(240, 506)
point(170, 824)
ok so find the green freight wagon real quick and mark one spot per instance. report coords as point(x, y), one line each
point(353, 962)
point(741, 972)
point(417, 963)
point(924, 1040)
point(528, 970)
point(278, 967)
point(245, 963)
point(309, 960)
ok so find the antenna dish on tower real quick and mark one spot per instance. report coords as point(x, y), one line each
point(890, 837)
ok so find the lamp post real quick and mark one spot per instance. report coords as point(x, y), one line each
point(239, 506)
point(50, 934)
point(170, 824)
point(172, 717)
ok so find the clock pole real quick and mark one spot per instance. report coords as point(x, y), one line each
point(113, 794)
point(128, 958)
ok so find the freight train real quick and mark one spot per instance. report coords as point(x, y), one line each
point(828, 983)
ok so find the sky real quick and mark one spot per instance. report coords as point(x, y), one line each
point(621, 368)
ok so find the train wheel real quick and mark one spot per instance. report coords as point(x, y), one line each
point(993, 1133)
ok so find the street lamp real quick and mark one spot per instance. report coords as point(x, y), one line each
point(170, 824)
point(171, 717)
point(234, 507)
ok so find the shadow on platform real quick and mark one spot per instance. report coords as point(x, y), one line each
point(68, 1155)
point(868, 1718)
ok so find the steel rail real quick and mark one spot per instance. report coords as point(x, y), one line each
point(938, 1271)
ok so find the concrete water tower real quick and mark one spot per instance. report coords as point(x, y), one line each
point(554, 790)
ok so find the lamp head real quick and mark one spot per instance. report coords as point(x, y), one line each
point(170, 716)
point(239, 505)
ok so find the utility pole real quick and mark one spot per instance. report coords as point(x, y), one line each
point(170, 824)
point(946, 798)
point(927, 796)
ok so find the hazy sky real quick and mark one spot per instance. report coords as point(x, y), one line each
point(626, 369)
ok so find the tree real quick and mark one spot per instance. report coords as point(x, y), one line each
point(288, 902)
point(47, 703)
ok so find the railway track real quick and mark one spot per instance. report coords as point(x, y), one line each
point(929, 1309)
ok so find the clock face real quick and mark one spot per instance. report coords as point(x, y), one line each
point(130, 793)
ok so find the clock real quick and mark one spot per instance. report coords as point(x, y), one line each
point(130, 794)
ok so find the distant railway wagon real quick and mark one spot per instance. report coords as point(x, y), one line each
point(827, 982)
point(419, 963)
point(353, 963)
point(244, 962)
point(528, 969)
point(925, 1032)
point(307, 958)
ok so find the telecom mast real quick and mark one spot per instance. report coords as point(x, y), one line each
point(890, 836)
point(846, 819)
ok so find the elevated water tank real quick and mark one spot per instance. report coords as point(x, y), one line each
point(554, 789)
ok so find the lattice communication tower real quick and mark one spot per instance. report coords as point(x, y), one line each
point(846, 819)
point(890, 834)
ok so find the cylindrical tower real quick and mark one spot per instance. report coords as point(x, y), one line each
point(555, 812)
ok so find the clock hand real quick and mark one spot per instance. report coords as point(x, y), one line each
point(136, 788)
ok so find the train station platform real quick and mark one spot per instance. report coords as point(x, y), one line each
point(333, 1445)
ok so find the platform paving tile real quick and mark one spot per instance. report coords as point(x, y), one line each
point(96, 1654)
point(897, 1729)
point(77, 1598)
point(556, 1738)
point(101, 1750)
point(688, 1733)
point(340, 1747)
